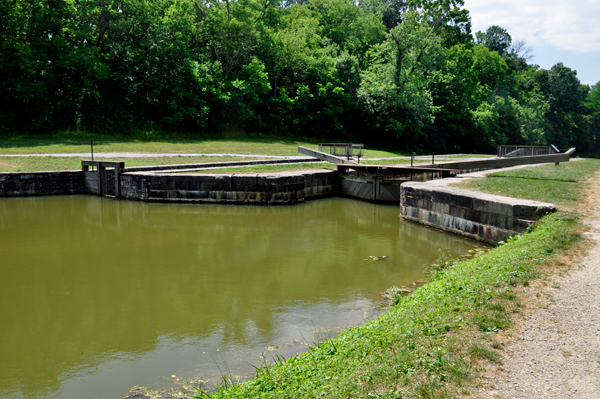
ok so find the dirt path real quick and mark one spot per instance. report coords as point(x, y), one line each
point(555, 350)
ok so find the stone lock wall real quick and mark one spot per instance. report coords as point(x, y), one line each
point(41, 183)
point(480, 216)
point(279, 188)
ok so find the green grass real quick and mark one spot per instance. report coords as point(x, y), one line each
point(561, 185)
point(157, 142)
point(270, 168)
point(41, 164)
point(431, 344)
point(152, 142)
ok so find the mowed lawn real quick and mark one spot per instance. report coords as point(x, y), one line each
point(562, 185)
point(241, 144)
point(177, 144)
point(43, 164)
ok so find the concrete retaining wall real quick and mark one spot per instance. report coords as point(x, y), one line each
point(41, 183)
point(483, 217)
point(279, 188)
point(371, 188)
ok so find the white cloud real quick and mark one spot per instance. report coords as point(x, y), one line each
point(564, 24)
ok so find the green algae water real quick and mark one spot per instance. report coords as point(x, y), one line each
point(98, 295)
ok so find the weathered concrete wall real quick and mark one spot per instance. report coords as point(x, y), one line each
point(41, 183)
point(377, 188)
point(371, 188)
point(483, 217)
point(279, 188)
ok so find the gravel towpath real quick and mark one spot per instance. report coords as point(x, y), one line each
point(555, 351)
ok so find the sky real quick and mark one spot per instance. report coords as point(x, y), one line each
point(564, 31)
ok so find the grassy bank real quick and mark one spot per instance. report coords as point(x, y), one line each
point(39, 164)
point(150, 142)
point(562, 185)
point(155, 143)
point(435, 343)
point(430, 344)
point(42, 164)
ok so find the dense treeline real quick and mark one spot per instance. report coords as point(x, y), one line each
point(407, 73)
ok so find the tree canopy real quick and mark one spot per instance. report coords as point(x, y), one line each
point(405, 73)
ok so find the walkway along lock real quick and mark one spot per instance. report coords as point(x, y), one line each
point(96, 181)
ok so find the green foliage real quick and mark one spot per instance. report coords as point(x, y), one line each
point(404, 74)
point(530, 114)
point(394, 89)
point(565, 97)
point(495, 38)
point(592, 105)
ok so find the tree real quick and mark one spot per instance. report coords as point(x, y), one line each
point(49, 62)
point(495, 38)
point(394, 89)
point(565, 96)
point(592, 103)
point(450, 22)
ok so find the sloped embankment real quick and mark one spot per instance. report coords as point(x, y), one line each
point(429, 344)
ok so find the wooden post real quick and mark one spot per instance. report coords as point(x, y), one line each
point(117, 181)
point(101, 180)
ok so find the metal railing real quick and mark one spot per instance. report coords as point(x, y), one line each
point(346, 150)
point(509, 151)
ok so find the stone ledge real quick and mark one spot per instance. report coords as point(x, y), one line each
point(485, 217)
point(22, 184)
point(231, 188)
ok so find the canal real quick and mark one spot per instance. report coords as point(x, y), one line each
point(98, 295)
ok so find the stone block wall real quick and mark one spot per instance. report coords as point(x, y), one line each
point(41, 183)
point(279, 188)
point(483, 217)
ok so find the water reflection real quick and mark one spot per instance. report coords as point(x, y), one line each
point(97, 295)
